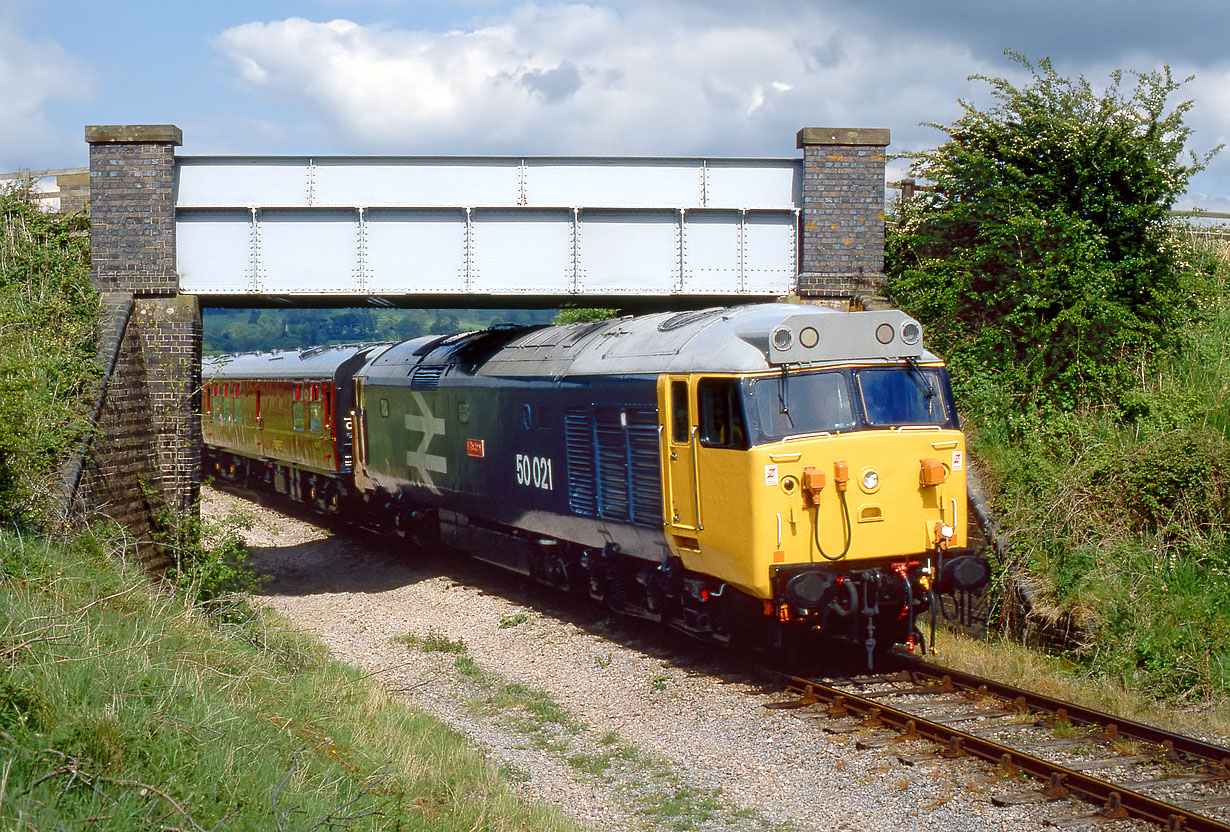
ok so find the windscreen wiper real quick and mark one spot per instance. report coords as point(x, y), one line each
point(783, 396)
point(921, 380)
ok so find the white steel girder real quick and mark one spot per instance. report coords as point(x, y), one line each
point(376, 226)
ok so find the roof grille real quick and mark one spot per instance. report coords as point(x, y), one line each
point(427, 378)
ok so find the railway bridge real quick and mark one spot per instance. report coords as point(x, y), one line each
point(173, 234)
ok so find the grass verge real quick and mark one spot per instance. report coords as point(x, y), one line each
point(1062, 678)
point(122, 707)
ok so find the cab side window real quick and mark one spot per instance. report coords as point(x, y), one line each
point(721, 413)
point(680, 423)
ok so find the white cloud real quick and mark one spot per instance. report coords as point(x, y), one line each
point(589, 79)
point(639, 77)
point(34, 75)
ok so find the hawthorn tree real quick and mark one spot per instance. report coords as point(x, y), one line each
point(1044, 257)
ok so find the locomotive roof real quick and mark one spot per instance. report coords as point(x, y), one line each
point(317, 362)
point(735, 339)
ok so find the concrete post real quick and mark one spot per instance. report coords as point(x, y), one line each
point(842, 244)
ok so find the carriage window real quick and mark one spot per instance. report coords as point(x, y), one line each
point(463, 412)
point(296, 415)
point(384, 407)
point(314, 417)
point(680, 423)
point(721, 413)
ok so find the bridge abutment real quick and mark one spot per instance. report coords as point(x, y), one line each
point(142, 466)
point(841, 231)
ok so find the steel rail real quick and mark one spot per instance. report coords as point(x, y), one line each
point(1113, 727)
point(1116, 801)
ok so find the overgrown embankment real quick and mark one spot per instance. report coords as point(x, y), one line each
point(1121, 518)
point(48, 312)
point(1087, 336)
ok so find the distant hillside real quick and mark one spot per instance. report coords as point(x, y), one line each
point(243, 330)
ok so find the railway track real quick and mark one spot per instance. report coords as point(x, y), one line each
point(1126, 769)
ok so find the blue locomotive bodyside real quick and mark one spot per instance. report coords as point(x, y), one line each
point(575, 459)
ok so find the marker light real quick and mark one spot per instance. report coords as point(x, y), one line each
point(884, 333)
point(782, 339)
point(870, 480)
point(946, 531)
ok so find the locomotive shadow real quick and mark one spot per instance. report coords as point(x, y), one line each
point(358, 560)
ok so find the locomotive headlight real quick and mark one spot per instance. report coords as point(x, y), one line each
point(884, 333)
point(910, 333)
point(946, 531)
point(870, 481)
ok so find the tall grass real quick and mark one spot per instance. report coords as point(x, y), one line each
point(122, 707)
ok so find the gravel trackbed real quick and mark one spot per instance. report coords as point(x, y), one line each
point(620, 726)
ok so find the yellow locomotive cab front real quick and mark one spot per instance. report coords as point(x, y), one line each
point(735, 509)
point(832, 491)
point(853, 500)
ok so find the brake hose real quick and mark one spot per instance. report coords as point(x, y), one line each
point(815, 529)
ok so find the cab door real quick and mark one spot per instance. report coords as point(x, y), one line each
point(682, 498)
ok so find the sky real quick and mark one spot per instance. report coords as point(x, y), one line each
point(617, 77)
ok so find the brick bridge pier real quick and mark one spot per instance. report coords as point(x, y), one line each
point(141, 466)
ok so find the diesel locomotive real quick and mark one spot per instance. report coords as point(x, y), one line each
point(768, 474)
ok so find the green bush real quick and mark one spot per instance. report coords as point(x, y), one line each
point(1125, 525)
point(211, 565)
point(584, 315)
point(48, 314)
point(1045, 256)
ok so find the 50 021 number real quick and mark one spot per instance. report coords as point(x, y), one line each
point(535, 471)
